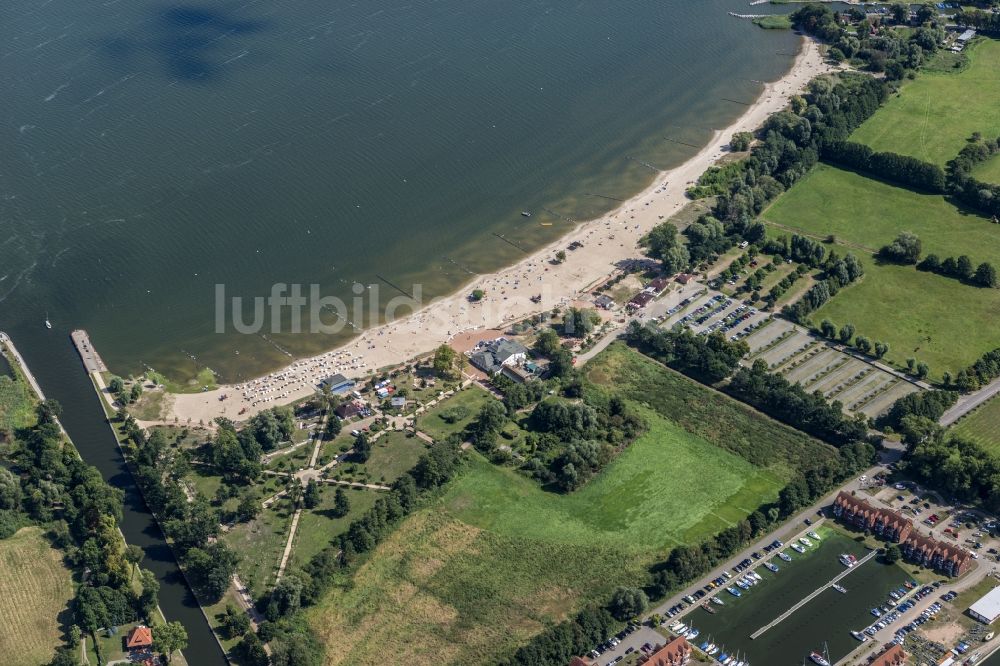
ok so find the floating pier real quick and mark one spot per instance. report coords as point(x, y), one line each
point(813, 595)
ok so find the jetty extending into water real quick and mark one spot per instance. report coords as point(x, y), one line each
point(822, 588)
point(91, 359)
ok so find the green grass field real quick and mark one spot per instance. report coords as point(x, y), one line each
point(35, 589)
point(982, 426)
point(988, 171)
point(933, 115)
point(725, 422)
point(497, 558)
point(317, 527)
point(869, 213)
point(468, 401)
point(393, 454)
point(928, 317)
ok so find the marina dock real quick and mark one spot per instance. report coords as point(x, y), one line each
point(815, 593)
point(91, 359)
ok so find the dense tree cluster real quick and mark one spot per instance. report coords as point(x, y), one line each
point(810, 412)
point(44, 481)
point(983, 275)
point(960, 468)
point(903, 169)
point(571, 441)
point(905, 249)
point(663, 243)
point(191, 526)
point(980, 373)
point(838, 272)
point(974, 193)
point(271, 427)
point(870, 43)
point(557, 645)
point(984, 21)
point(548, 344)
point(927, 404)
point(708, 358)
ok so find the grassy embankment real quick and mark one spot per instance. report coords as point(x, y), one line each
point(497, 558)
point(899, 304)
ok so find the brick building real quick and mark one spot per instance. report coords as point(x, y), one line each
point(892, 655)
point(675, 653)
point(885, 523)
point(895, 528)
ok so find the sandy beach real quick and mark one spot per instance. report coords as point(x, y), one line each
point(606, 241)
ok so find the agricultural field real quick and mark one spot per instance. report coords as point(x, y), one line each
point(497, 558)
point(982, 426)
point(866, 214)
point(800, 357)
point(933, 115)
point(909, 309)
point(35, 590)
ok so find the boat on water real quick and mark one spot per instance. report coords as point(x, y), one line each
point(717, 600)
point(813, 535)
point(805, 542)
point(773, 567)
point(821, 659)
point(733, 591)
point(711, 649)
point(858, 635)
point(876, 612)
point(693, 634)
point(681, 629)
point(708, 607)
point(785, 556)
point(839, 588)
point(525, 213)
point(756, 576)
point(48, 324)
point(848, 560)
point(797, 548)
point(989, 636)
point(675, 626)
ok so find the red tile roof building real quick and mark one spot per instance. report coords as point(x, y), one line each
point(935, 554)
point(675, 653)
point(139, 638)
point(885, 523)
point(893, 527)
point(892, 655)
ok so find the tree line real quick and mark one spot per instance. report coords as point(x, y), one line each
point(838, 272)
point(707, 358)
point(45, 482)
point(902, 169)
point(982, 196)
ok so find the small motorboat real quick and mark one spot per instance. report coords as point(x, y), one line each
point(858, 635)
point(772, 567)
point(525, 213)
point(797, 548)
point(48, 324)
point(785, 556)
point(718, 601)
point(839, 588)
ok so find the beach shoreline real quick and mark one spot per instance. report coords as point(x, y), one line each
point(605, 241)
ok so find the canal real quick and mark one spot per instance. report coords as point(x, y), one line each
point(53, 360)
point(827, 619)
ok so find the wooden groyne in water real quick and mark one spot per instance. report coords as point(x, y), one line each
point(91, 359)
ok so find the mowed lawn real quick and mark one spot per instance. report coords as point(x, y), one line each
point(35, 588)
point(931, 318)
point(933, 115)
point(988, 171)
point(870, 213)
point(982, 426)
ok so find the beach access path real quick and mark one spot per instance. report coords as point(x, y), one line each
point(606, 242)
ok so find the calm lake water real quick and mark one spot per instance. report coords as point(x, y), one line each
point(826, 619)
point(154, 149)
